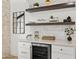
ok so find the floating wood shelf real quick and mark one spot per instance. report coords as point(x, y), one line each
point(58, 23)
point(52, 7)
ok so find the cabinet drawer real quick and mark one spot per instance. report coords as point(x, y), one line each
point(24, 48)
point(63, 49)
point(23, 44)
point(23, 52)
point(62, 56)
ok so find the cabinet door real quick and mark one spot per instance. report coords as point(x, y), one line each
point(55, 56)
point(63, 52)
point(24, 50)
point(63, 49)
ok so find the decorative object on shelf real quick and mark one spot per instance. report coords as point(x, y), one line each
point(65, 20)
point(29, 37)
point(36, 4)
point(36, 35)
point(41, 21)
point(19, 22)
point(53, 19)
point(69, 31)
point(48, 2)
point(48, 38)
point(68, 19)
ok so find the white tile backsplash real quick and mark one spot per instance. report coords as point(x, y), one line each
point(61, 14)
point(57, 31)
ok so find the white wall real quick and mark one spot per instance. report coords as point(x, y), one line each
point(15, 5)
point(58, 31)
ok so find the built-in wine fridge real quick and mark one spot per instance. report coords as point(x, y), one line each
point(41, 51)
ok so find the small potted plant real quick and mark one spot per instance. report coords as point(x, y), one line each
point(69, 32)
point(36, 4)
point(48, 2)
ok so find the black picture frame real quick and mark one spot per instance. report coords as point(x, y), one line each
point(19, 22)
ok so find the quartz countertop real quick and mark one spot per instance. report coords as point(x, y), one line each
point(54, 42)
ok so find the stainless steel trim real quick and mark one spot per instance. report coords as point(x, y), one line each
point(31, 52)
point(40, 44)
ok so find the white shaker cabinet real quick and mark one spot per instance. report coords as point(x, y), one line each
point(63, 52)
point(24, 50)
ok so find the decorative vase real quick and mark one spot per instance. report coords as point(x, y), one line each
point(69, 38)
point(36, 35)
